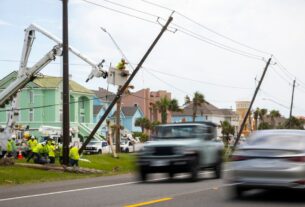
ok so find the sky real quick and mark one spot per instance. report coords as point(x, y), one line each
point(221, 52)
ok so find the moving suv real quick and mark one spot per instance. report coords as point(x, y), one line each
point(181, 147)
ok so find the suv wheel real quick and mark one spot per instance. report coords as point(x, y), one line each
point(143, 175)
point(99, 151)
point(194, 170)
point(218, 170)
point(171, 175)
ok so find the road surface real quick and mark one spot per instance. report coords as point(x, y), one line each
point(125, 190)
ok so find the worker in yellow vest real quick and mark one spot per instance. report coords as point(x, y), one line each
point(121, 64)
point(9, 148)
point(74, 156)
point(51, 148)
point(32, 143)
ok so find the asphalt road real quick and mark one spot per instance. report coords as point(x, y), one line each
point(125, 190)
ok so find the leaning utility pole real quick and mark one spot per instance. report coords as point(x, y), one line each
point(291, 105)
point(65, 49)
point(124, 87)
point(252, 101)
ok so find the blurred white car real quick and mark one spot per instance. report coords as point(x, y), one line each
point(269, 159)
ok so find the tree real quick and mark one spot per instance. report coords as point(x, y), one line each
point(262, 114)
point(264, 125)
point(226, 130)
point(143, 122)
point(164, 105)
point(197, 101)
point(274, 114)
point(295, 123)
point(256, 116)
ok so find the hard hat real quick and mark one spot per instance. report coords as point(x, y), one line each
point(32, 137)
point(53, 142)
point(13, 136)
point(26, 134)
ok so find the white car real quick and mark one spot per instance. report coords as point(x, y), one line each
point(127, 146)
point(97, 147)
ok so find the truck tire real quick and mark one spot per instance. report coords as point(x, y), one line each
point(99, 151)
point(218, 169)
point(194, 168)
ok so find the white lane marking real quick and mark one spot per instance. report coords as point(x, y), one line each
point(89, 188)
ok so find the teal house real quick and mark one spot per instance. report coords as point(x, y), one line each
point(40, 104)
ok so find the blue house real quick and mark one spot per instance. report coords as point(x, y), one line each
point(101, 102)
point(130, 115)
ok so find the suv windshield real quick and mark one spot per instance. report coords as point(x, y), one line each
point(177, 132)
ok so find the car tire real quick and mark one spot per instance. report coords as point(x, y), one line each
point(194, 169)
point(99, 151)
point(171, 175)
point(237, 192)
point(127, 150)
point(218, 170)
point(143, 175)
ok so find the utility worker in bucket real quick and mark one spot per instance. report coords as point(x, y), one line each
point(121, 65)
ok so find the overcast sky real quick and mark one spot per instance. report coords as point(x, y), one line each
point(179, 63)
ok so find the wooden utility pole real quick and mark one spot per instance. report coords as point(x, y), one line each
point(250, 106)
point(66, 96)
point(291, 105)
point(124, 87)
point(118, 125)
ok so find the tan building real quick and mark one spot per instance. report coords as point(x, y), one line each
point(241, 110)
point(145, 99)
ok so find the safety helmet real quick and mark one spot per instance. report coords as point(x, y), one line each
point(32, 137)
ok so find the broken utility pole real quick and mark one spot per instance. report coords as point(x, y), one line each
point(291, 106)
point(249, 109)
point(124, 87)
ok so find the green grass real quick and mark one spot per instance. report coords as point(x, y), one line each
point(110, 166)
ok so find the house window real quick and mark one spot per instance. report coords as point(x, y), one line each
point(82, 104)
point(31, 97)
point(135, 105)
point(31, 115)
point(82, 118)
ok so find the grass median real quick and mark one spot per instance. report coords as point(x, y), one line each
point(10, 175)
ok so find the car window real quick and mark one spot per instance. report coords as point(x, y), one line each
point(104, 144)
point(180, 131)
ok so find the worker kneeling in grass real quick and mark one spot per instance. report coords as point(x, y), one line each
point(74, 156)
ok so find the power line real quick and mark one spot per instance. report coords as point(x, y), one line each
point(206, 28)
point(198, 81)
point(118, 11)
point(183, 30)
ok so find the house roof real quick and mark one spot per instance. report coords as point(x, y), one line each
point(129, 110)
point(96, 109)
point(104, 94)
point(204, 109)
point(44, 81)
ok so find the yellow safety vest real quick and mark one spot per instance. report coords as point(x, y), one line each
point(51, 151)
point(73, 154)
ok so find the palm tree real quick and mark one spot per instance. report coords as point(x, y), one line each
point(164, 105)
point(226, 130)
point(143, 122)
point(274, 114)
point(197, 102)
point(262, 114)
point(256, 116)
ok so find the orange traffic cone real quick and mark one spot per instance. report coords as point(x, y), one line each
point(20, 157)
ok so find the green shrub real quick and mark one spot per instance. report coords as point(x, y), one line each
point(142, 136)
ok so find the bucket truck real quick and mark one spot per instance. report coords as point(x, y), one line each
point(27, 74)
